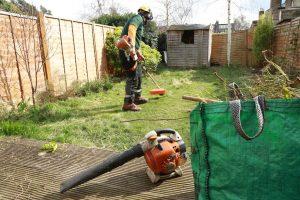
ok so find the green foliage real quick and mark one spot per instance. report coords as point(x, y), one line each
point(263, 36)
point(21, 7)
point(46, 97)
point(150, 36)
point(45, 10)
point(6, 6)
point(25, 7)
point(112, 52)
point(94, 87)
point(49, 147)
point(18, 128)
point(47, 112)
point(116, 19)
point(152, 56)
point(22, 106)
point(38, 114)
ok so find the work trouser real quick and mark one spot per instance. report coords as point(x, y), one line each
point(133, 88)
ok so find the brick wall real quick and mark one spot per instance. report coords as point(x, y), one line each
point(287, 42)
point(286, 45)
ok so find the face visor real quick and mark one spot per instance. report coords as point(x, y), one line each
point(148, 15)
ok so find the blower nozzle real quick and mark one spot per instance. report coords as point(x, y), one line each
point(99, 169)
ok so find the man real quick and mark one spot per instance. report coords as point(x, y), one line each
point(134, 28)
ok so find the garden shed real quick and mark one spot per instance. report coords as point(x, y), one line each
point(189, 45)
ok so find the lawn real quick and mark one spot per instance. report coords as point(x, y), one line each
point(98, 121)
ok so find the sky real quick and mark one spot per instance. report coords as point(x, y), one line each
point(204, 12)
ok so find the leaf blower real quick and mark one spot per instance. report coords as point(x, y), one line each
point(164, 152)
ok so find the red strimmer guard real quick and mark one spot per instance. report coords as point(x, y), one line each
point(158, 91)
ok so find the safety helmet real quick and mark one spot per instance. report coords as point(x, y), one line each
point(144, 8)
point(146, 12)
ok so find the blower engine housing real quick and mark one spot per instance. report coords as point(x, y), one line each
point(166, 156)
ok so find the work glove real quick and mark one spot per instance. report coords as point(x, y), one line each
point(140, 56)
point(133, 54)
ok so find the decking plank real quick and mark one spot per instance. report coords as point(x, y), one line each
point(26, 175)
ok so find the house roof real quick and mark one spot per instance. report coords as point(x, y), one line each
point(184, 27)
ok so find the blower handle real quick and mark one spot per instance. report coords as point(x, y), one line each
point(168, 130)
point(174, 134)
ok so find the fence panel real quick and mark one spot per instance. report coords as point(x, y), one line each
point(55, 55)
point(9, 79)
point(90, 53)
point(76, 53)
point(68, 49)
point(27, 47)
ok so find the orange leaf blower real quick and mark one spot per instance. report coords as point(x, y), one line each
point(163, 150)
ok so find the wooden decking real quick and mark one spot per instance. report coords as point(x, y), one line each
point(24, 174)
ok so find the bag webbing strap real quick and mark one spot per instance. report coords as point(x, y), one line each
point(236, 115)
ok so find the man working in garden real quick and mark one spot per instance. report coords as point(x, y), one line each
point(134, 30)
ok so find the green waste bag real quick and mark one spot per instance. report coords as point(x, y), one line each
point(246, 150)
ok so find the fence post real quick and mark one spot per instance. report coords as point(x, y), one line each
point(95, 52)
point(85, 58)
point(62, 53)
point(75, 55)
point(17, 61)
point(44, 51)
point(104, 67)
point(246, 48)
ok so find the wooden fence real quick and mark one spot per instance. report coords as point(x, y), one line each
point(46, 52)
point(241, 48)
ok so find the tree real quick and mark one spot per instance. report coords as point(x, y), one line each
point(176, 11)
point(6, 67)
point(184, 11)
point(29, 53)
point(115, 19)
point(240, 23)
point(150, 32)
point(263, 36)
point(21, 7)
point(102, 7)
point(25, 8)
point(45, 11)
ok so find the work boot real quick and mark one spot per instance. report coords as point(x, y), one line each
point(130, 107)
point(140, 100)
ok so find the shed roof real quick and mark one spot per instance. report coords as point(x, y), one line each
point(184, 27)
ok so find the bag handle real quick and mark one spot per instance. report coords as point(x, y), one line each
point(236, 115)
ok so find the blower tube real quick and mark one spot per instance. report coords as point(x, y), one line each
point(107, 165)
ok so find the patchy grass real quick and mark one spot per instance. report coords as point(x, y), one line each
point(97, 119)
